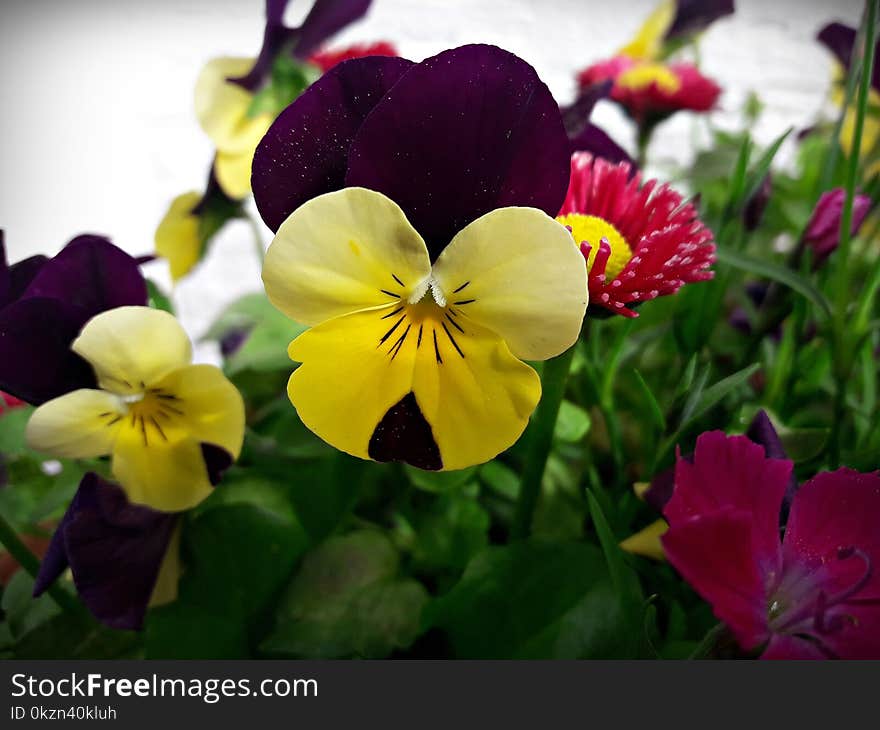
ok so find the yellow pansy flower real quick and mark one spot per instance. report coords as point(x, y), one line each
point(413, 360)
point(152, 412)
point(224, 113)
point(177, 237)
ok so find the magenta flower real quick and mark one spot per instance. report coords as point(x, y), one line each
point(823, 230)
point(812, 594)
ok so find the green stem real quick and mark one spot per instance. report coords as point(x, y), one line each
point(31, 565)
point(540, 441)
point(843, 360)
point(709, 642)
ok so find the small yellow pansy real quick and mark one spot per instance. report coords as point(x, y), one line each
point(177, 237)
point(224, 113)
point(646, 542)
point(152, 413)
point(414, 361)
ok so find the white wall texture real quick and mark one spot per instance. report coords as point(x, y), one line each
point(98, 131)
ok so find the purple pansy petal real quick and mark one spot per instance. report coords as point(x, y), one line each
point(54, 562)
point(275, 37)
point(114, 549)
point(834, 511)
point(693, 16)
point(36, 363)
point(715, 555)
point(788, 647)
point(577, 115)
point(217, 462)
point(762, 432)
point(733, 472)
point(92, 274)
point(594, 140)
point(305, 151)
point(840, 39)
point(462, 133)
point(326, 18)
point(4, 272)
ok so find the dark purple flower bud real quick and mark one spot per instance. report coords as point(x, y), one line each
point(823, 230)
point(693, 16)
point(840, 39)
point(757, 204)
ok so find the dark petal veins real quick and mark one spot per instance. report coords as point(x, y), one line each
point(114, 549)
point(693, 16)
point(326, 18)
point(91, 274)
point(36, 363)
point(305, 152)
point(404, 435)
point(463, 133)
point(217, 461)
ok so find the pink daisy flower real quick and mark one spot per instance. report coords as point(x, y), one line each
point(641, 240)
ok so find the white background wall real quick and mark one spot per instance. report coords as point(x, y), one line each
point(98, 132)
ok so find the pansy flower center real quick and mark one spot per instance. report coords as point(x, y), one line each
point(591, 229)
point(153, 415)
point(642, 75)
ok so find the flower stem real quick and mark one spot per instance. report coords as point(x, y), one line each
point(843, 358)
point(31, 565)
point(709, 642)
point(540, 441)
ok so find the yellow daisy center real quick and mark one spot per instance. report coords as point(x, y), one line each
point(642, 75)
point(592, 229)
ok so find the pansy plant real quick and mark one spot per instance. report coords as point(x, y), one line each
point(413, 205)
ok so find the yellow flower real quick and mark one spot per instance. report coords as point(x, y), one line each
point(224, 113)
point(177, 237)
point(409, 360)
point(647, 44)
point(152, 413)
point(646, 542)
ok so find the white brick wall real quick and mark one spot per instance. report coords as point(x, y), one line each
point(98, 132)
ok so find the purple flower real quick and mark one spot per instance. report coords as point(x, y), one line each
point(840, 39)
point(694, 16)
point(447, 139)
point(114, 549)
point(812, 594)
point(44, 303)
point(585, 136)
point(823, 230)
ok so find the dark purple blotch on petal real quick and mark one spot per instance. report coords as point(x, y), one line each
point(405, 435)
point(462, 133)
point(305, 152)
point(114, 550)
point(36, 362)
point(217, 462)
point(693, 16)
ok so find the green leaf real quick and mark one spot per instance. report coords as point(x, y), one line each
point(775, 272)
point(440, 482)
point(623, 579)
point(715, 393)
point(534, 600)
point(348, 600)
point(12, 425)
point(157, 299)
point(500, 478)
point(572, 423)
point(447, 537)
point(654, 410)
point(803, 444)
point(759, 171)
point(22, 611)
point(239, 549)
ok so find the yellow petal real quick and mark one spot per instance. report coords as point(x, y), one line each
point(222, 107)
point(474, 393)
point(130, 348)
point(177, 237)
point(646, 542)
point(347, 382)
point(169, 476)
point(414, 383)
point(648, 41)
point(517, 272)
point(81, 424)
point(211, 408)
point(233, 171)
point(342, 252)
